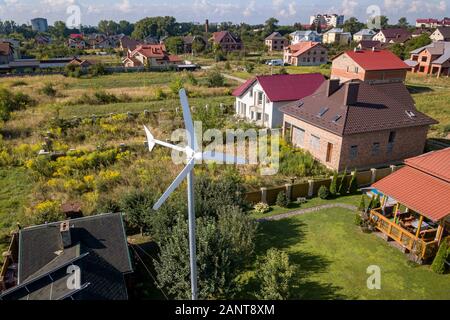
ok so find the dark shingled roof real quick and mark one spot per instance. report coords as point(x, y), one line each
point(98, 244)
point(377, 107)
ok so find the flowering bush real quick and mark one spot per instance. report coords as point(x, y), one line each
point(47, 211)
point(261, 207)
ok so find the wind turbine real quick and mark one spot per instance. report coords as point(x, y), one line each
point(193, 153)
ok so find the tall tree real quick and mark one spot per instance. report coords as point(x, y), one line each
point(352, 25)
point(403, 22)
point(270, 25)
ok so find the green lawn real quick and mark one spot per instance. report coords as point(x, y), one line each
point(13, 194)
point(314, 202)
point(331, 255)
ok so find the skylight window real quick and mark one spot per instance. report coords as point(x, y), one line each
point(322, 111)
point(336, 118)
point(410, 114)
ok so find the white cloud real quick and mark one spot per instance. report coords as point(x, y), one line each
point(348, 7)
point(125, 6)
point(250, 10)
point(394, 4)
point(419, 6)
point(284, 10)
point(219, 9)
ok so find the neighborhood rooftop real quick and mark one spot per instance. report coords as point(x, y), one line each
point(284, 87)
point(377, 59)
point(362, 107)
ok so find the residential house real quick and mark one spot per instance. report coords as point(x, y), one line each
point(126, 43)
point(188, 41)
point(276, 42)
point(357, 124)
point(260, 99)
point(415, 211)
point(150, 55)
point(441, 34)
point(371, 44)
point(433, 59)
point(392, 36)
point(369, 65)
point(6, 52)
point(15, 46)
point(227, 41)
point(76, 41)
point(42, 259)
point(306, 54)
point(302, 36)
point(42, 40)
point(363, 35)
point(330, 20)
point(432, 23)
point(337, 35)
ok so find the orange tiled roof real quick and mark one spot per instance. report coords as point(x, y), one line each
point(302, 47)
point(423, 185)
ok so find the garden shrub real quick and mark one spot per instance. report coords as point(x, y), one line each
point(190, 78)
point(215, 79)
point(282, 200)
point(261, 207)
point(249, 67)
point(176, 85)
point(283, 71)
point(275, 274)
point(160, 94)
point(358, 220)
point(48, 90)
point(438, 265)
point(47, 211)
point(10, 102)
point(97, 69)
point(323, 192)
point(343, 186)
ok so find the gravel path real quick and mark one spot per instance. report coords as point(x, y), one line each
point(308, 210)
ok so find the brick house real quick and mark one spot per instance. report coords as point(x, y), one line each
point(227, 41)
point(395, 35)
point(276, 42)
point(259, 99)
point(441, 34)
point(337, 35)
point(357, 124)
point(369, 65)
point(433, 59)
point(6, 52)
point(150, 55)
point(306, 54)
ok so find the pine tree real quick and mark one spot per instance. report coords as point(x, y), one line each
point(343, 186)
point(438, 264)
point(362, 204)
point(333, 186)
point(353, 187)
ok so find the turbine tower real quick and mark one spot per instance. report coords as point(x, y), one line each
point(193, 153)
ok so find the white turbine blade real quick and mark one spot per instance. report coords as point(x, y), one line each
point(150, 139)
point(223, 158)
point(183, 174)
point(189, 124)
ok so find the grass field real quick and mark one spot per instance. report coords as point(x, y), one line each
point(331, 256)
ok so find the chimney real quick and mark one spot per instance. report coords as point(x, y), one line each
point(66, 238)
point(207, 26)
point(333, 86)
point(351, 93)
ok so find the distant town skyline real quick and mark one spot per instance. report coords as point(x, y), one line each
point(252, 11)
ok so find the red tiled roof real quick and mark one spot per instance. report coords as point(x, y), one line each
point(419, 190)
point(285, 87)
point(436, 163)
point(427, 20)
point(174, 58)
point(76, 36)
point(302, 47)
point(151, 50)
point(377, 60)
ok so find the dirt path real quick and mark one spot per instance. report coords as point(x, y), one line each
point(308, 210)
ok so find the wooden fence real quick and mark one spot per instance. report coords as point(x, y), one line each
point(310, 189)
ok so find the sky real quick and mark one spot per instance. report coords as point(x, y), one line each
point(249, 11)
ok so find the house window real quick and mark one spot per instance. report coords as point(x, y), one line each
point(356, 69)
point(315, 142)
point(260, 98)
point(375, 148)
point(258, 116)
point(298, 137)
point(251, 93)
point(252, 115)
point(391, 137)
point(353, 152)
point(424, 59)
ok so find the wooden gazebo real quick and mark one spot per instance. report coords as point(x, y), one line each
point(420, 192)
